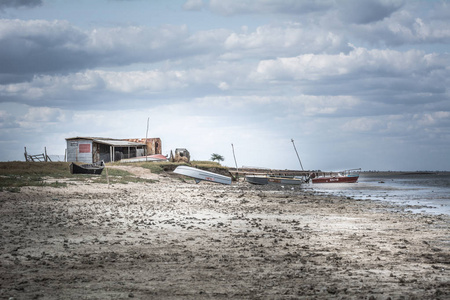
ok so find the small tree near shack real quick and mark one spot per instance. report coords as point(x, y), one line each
point(217, 157)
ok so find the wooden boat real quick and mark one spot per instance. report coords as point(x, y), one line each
point(95, 168)
point(200, 175)
point(347, 176)
point(270, 179)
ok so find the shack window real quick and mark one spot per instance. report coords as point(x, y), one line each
point(84, 148)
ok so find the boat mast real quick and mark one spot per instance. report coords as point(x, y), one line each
point(235, 162)
point(292, 140)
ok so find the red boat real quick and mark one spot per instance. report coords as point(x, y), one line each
point(347, 176)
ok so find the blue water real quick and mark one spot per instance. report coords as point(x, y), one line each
point(418, 192)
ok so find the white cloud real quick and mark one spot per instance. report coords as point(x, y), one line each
point(357, 62)
point(7, 120)
point(193, 5)
point(364, 124)
point(43, 114)
point(429, 119)
point(224, 86)
point(291, 38)
point(414, 24)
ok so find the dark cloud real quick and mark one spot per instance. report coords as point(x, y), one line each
point(297, 7)
point(36, 47)
point(19, 3)
point(44, 47)
point(350, 11)
point(368, 11)
point(30, 47)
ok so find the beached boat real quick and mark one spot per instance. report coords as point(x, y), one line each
point(271, 179)
point(347, 176)
point(200, 175)
point(95, 168)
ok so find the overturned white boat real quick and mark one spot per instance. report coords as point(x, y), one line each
point(200, 175)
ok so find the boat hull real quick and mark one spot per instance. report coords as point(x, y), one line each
point(263, 180)
point(93, 169)
point(335, 179)
point(202, 175)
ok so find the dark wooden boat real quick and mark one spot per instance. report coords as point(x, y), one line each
point(95, 168)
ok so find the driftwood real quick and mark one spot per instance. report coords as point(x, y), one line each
point(38, 157)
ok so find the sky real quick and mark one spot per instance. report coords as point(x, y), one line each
point(355, 84)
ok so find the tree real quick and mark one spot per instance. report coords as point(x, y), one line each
point(217, 157)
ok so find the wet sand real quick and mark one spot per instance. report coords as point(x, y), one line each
point(174, 239)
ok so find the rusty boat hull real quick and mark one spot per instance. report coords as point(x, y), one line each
point(347, 176)
point(336, 179)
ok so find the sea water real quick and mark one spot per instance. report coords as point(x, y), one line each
point(419, 192)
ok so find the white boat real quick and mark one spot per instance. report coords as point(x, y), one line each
point(200, 175)
point(268, 179)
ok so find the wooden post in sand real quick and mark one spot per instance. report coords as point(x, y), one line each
point(107, 177)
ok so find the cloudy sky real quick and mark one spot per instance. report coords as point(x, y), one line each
point(356, 84)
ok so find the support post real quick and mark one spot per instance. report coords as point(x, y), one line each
point(107, 176)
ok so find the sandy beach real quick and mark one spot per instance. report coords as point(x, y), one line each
point(173, 239)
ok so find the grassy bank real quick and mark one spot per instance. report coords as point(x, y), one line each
point(164, 166)
point(17, 174)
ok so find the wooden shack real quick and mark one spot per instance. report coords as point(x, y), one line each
point(94, 149)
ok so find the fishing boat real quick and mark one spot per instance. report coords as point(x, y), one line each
point(95, 168)
point(202, 175)
point(272, 179)
point(347, 176)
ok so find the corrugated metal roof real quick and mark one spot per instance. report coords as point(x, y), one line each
point(108, 141)
point(88, 138)
point(118, 143)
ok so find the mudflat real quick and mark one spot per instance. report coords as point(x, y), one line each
point(174, 239)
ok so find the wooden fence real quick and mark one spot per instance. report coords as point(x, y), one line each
point(38, 157)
